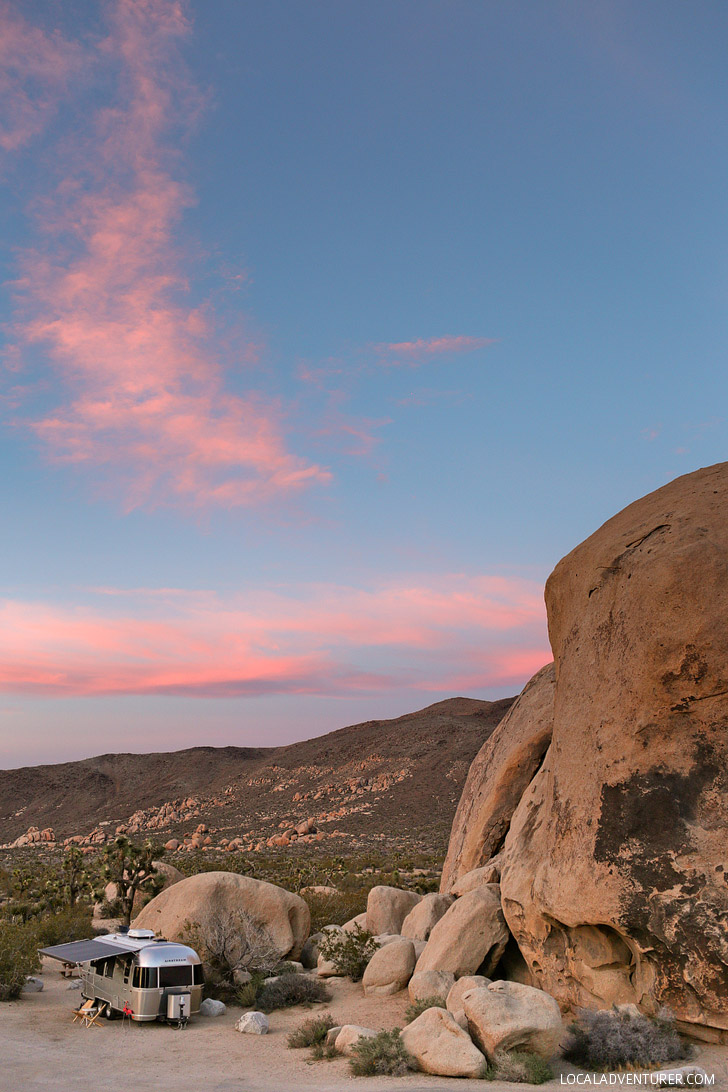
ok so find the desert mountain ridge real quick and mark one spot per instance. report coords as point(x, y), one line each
point(395, 782)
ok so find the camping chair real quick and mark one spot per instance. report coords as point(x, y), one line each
point(88, 1014)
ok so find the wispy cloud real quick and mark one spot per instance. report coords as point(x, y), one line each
point(34, 71)
point(314, 639)
point(422, 349)
point(106, 297)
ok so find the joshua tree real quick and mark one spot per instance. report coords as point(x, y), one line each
point(131, 868)
point(75, 882)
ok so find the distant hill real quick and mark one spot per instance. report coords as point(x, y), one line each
point(394, 782)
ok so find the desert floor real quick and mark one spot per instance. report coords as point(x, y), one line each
point(41, 1050)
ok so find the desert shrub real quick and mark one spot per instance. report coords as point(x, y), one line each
point(311, 1031)
point(518, 1067)
point(350, 951)
point(292, 989)
point(323, 1051)
point(381, 1055)
point(231, 941)
point(246, 995)
point(286, 967)
point(18, 957)
point(618, 1039)
point(71, 923)
point(334, 909)
point(421, 1005)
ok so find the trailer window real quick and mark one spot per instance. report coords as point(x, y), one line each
point(198, 975)
point(145, 978)
point(175, 976)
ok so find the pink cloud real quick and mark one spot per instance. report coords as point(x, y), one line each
point(322, 639)
point(414, 352)
point(34, 70)
point(106, 297)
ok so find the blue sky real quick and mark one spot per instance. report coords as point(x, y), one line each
point(330, 328)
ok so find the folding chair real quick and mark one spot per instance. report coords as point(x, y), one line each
point(88, 1013)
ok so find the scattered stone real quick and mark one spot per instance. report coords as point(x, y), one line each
point(310, 952)
point(440, 1046)
point(390, 968)
point(253, 1023)
point(211, 1007)
point(511, 1016)
point(75, 984)
point(33, 984)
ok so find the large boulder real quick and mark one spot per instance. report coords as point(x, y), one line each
point(470, 936)
point(498, 776)
point(387, 907)
point(614, 876)
point(511, 1016)
point(424, 916)
point(390, 968)
point(201, 901)
point(440, 1046)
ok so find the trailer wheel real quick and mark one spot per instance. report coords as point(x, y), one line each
point(111, 1014)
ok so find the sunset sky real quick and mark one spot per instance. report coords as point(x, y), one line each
point(329, 327)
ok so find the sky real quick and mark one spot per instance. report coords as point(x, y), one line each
point(328, 328)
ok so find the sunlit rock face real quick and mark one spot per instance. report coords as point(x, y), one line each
point(615, 866)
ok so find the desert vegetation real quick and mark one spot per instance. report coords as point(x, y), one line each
point(610, 1039)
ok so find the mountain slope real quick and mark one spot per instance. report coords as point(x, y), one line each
point(397, 780)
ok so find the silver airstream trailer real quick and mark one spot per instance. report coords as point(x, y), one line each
point(137, 974)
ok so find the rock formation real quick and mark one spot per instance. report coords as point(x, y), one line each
point(501, 771)
point(614, 877)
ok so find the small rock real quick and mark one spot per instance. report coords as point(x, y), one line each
point(33, 985)
point(350, 1034)
point(74, 985)
point(253, 1023)
point(211, 1007)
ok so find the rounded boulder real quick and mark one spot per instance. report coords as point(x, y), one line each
point(195, 905)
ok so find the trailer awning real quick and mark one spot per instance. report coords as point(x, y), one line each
point(81, 951)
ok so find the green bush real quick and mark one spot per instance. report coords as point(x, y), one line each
point(618, 1039)
point(247, 995)
point(311, 1031)
point(292, 989)
point(71, 923)
point(418, 1007)
point(349, 951)
point(18, 957)
point(323, 1051)
point(518, 1067)
point(381, 1055)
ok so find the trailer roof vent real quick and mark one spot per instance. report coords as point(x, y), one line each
point(141, 934)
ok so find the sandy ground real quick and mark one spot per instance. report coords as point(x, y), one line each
point(41, 1049)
